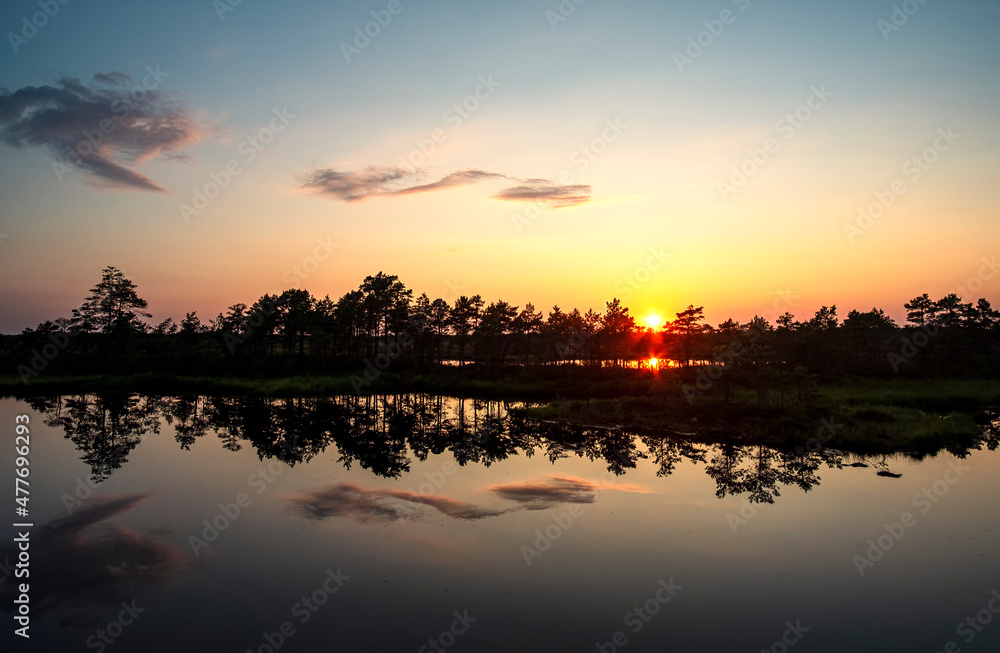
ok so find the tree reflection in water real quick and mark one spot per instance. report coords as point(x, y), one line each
point(383, 433)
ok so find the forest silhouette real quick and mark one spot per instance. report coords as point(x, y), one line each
point(382, 326)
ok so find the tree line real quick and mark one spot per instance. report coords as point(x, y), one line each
point(382, 324)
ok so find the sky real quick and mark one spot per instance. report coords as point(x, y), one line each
point(750, 157)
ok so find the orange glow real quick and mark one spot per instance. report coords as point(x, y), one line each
point(653, 321)
point(653, 363)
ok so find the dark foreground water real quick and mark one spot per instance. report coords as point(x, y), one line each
point(417, 523)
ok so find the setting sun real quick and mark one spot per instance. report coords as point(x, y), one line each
point(653, 321)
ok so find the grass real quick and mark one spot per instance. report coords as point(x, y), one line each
point(514, 384)
point(175, 384)
point(929, 394)
point(867, 417)
point(884, 427)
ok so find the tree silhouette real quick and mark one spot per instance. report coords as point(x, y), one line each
point(385, 301)
point(527, 324)
point(113, 307)
point(686, 327)
point(495, 326)
point(464, 319)
point(919, 309)
point(616, 326)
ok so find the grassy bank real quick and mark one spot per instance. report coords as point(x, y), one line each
point(869, 428)
point(512, 384)
point(871, 416)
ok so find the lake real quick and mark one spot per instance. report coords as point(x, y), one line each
point(422, 523)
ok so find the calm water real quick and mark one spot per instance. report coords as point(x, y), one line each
point(381, 524)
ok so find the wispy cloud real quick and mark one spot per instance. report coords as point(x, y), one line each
point(365, 506)
point(542, 495)
point(390, 181)
point(460, 178)
point(353, 186)
point(103, 128)
point(542, 190)
point(90, 563)
point(383, 505)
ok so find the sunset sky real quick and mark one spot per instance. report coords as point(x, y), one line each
point(578, 156)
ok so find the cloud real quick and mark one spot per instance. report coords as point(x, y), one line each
point(460, 178)
point(383, 505)
point(89, 564)
point(541, 190)
point(103, 128)
point(542, 495)
point(389, 181)
point(366, 506)
point(353, 186)
point(447, 506)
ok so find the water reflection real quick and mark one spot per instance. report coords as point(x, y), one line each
point(105, 428)
point(371, 505)
point(383, 434)
point(385, 505)
point(92, 561)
